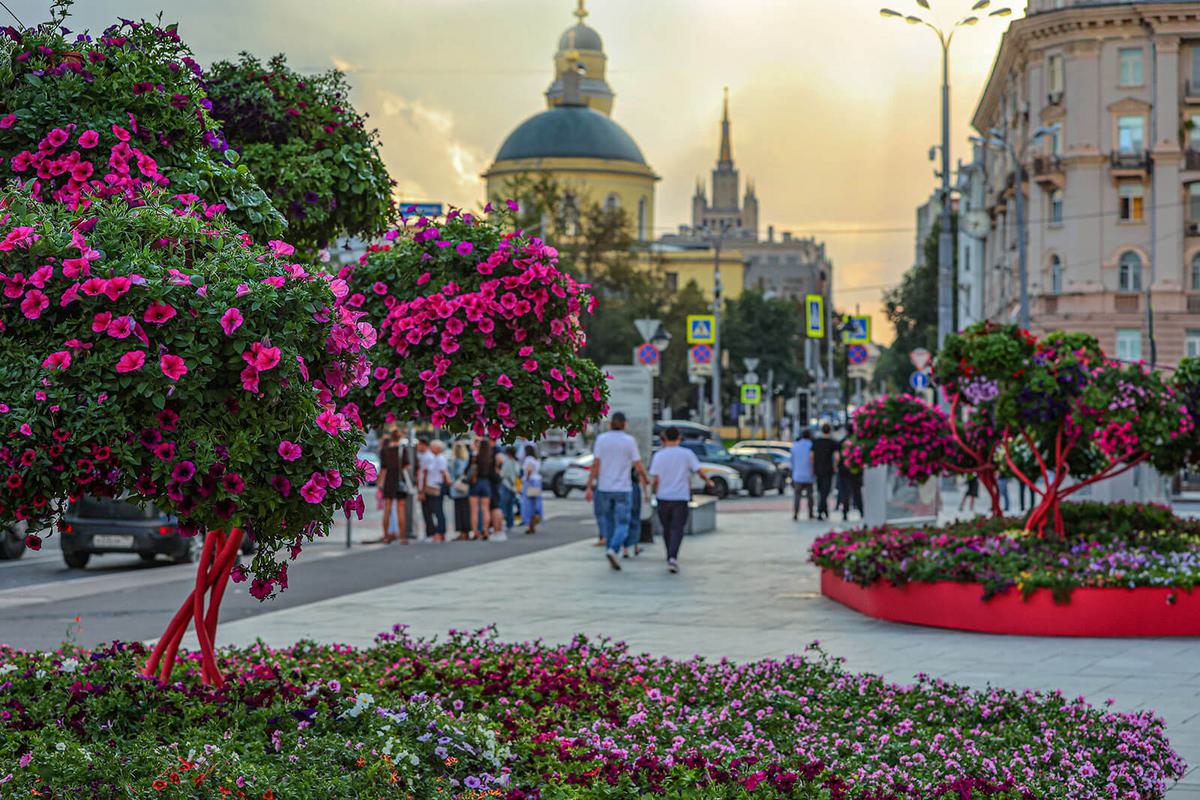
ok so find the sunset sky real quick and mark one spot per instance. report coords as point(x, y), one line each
point(833, 107)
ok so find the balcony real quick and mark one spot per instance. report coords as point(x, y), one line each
point(1130, 164)
point(1191, 160)
point(1048, 171)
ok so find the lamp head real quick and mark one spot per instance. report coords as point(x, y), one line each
point(1001, 12)
point(911, 20)
point(981, 5)
point(923, 4)
point(887, 12)
point(969, 21)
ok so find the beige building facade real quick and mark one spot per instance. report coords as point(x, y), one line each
point(1112, 185)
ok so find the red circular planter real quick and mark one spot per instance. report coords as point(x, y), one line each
point(1101, 612)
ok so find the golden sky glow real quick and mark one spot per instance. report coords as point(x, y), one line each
point(833, 107)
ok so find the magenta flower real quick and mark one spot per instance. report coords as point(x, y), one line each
point(464, 248)
point(120, 327)
point(131, 361)
point(311, 492)
point(261, 357)
point(8, 120)
point(172, 366)
point(183, 472)
point(249, 377)
point(34, 303)
point(289, 451)
point(158, 313)
point(89, 139)
point(233, 483)
point(59, 360)
point(231, 320)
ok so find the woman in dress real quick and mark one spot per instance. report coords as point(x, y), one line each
point(531, 490)
point(393, 462)
point(460, 463)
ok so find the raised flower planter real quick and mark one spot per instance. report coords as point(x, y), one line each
point(1104, 612)
point(1125, 570)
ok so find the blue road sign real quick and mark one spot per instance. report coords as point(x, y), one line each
point(814, 316)
point(648, 354)
point(702, 329)
point(856, 354)
point(858, 329)
point(919, 380)
point(702, 354)
point(421, 209)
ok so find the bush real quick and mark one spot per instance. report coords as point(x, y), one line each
point(479, 331)
point(150, 351)
point(1124, 545)
point(471, 717)
point(306, 145)
point(85, 119)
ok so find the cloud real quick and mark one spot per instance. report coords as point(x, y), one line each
point(435, 127)
point(343, 65)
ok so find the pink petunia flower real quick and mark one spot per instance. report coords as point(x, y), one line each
point(231, 320)
point(172, 366)
point(290, 451)
point(120, 327)
point(261, 357)
point(131, 361)
point(158, 313)
point(57, 360)
point(311, 492)
point(89, 139)
point(34, 303)
point(8, 120)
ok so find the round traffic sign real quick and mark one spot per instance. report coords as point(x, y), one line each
point(856, 354)
point(919, 380)
point(702, 354)
point(647, 354)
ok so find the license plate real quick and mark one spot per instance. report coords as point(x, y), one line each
point(115, 542)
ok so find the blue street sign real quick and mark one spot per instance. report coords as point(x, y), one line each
point(702, 354)
point(814, 316)
point(421, 209)
point(856, 354)
point(919, 380)
point(858, 329)
point(648, 354)
point(702, 329)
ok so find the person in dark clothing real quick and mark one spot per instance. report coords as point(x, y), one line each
point(849, 488)
point(823, 452)
point(393, 484)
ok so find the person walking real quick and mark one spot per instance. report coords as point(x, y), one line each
point(460, 463)
point(614, 455)
point(634, 537)
point(802, 473)
point(510, 473)
point(671, 470)
point(969, 495)
point(823, 452)
point(849, 488)
point(431, 483)
point(531, 490)
point(480, 477)
point(393, 463)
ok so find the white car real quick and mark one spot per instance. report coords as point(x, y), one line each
point(726, 480)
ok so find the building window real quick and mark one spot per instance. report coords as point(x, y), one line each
point(1129, 344)
point(1193, 124)
point(1130, 59)
point(570, 214)
point(1056, 75)
point(1056, 141)
point(1056, 275)
point(672, 281)
point(1191, 344)
point(1194, 202)
point(1131, 133)
point(612, 202)
point(1056, 207)
point(1131, 206)
point(642, 219)
point(1129, 278)
point(1195, 277)
point(1195, 71)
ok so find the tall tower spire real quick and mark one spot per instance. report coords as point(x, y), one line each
point(726, 148)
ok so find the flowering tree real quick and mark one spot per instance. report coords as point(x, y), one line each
point(480, 331)
point(306, 145)
point(150, 353)
point(83, 119)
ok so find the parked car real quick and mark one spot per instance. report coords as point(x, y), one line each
point(758, 476)
point(575, 475)
point(553, 471)
point(726, 480)
point(96, 525)
point(765, 444)
point(781, 459)
point(690, 431)
point(12, 540)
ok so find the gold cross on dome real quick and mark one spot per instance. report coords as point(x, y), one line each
point(580, 12)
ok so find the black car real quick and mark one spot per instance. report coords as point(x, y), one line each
point(758, 476)
point(781, 460)
point(96, 525)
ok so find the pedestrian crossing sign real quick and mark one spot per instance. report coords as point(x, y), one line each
point(814, 316)
point(701, 329)
point(858, 329)
point(751, 393)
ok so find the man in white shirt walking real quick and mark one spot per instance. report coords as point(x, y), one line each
point(615, 454)
point(432, 478)
point(672, 469)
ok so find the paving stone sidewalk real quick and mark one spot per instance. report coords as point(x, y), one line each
point(747, 592)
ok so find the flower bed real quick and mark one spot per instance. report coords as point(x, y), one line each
point(1121, 545)
point(471, 717)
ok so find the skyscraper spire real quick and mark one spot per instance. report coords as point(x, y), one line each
point(726, 148)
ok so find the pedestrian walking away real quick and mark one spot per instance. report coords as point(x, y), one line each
point(431, 484)
point(823, 451)
point(460, 462)
point(802, 473)
point(634, 537)
point(393, 487)
point(614, 455)
point(481, 476)
point(671, 471)
point(510, 475)
point(531, 490)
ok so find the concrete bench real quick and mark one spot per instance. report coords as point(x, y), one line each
point(702, 516)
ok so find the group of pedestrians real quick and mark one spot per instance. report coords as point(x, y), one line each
point(618, 480)
point(819, 461)
point(484, 481)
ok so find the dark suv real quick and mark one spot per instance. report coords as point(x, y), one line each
point(758, 476)
point(95, 525)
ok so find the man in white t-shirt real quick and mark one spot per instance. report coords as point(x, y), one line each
point(615, 455)
point(672, 469)
point(432, 478)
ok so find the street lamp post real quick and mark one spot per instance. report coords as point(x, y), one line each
point(1001, 140)
point(945, 303)
point(722, 227)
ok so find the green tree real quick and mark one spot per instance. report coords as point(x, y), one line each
point(769, 329)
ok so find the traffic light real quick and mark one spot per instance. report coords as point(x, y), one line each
point(802, 411)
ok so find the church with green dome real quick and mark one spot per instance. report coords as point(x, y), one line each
point(576, 142)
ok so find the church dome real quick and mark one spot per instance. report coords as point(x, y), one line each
point(570, 132)
point(580, 37)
